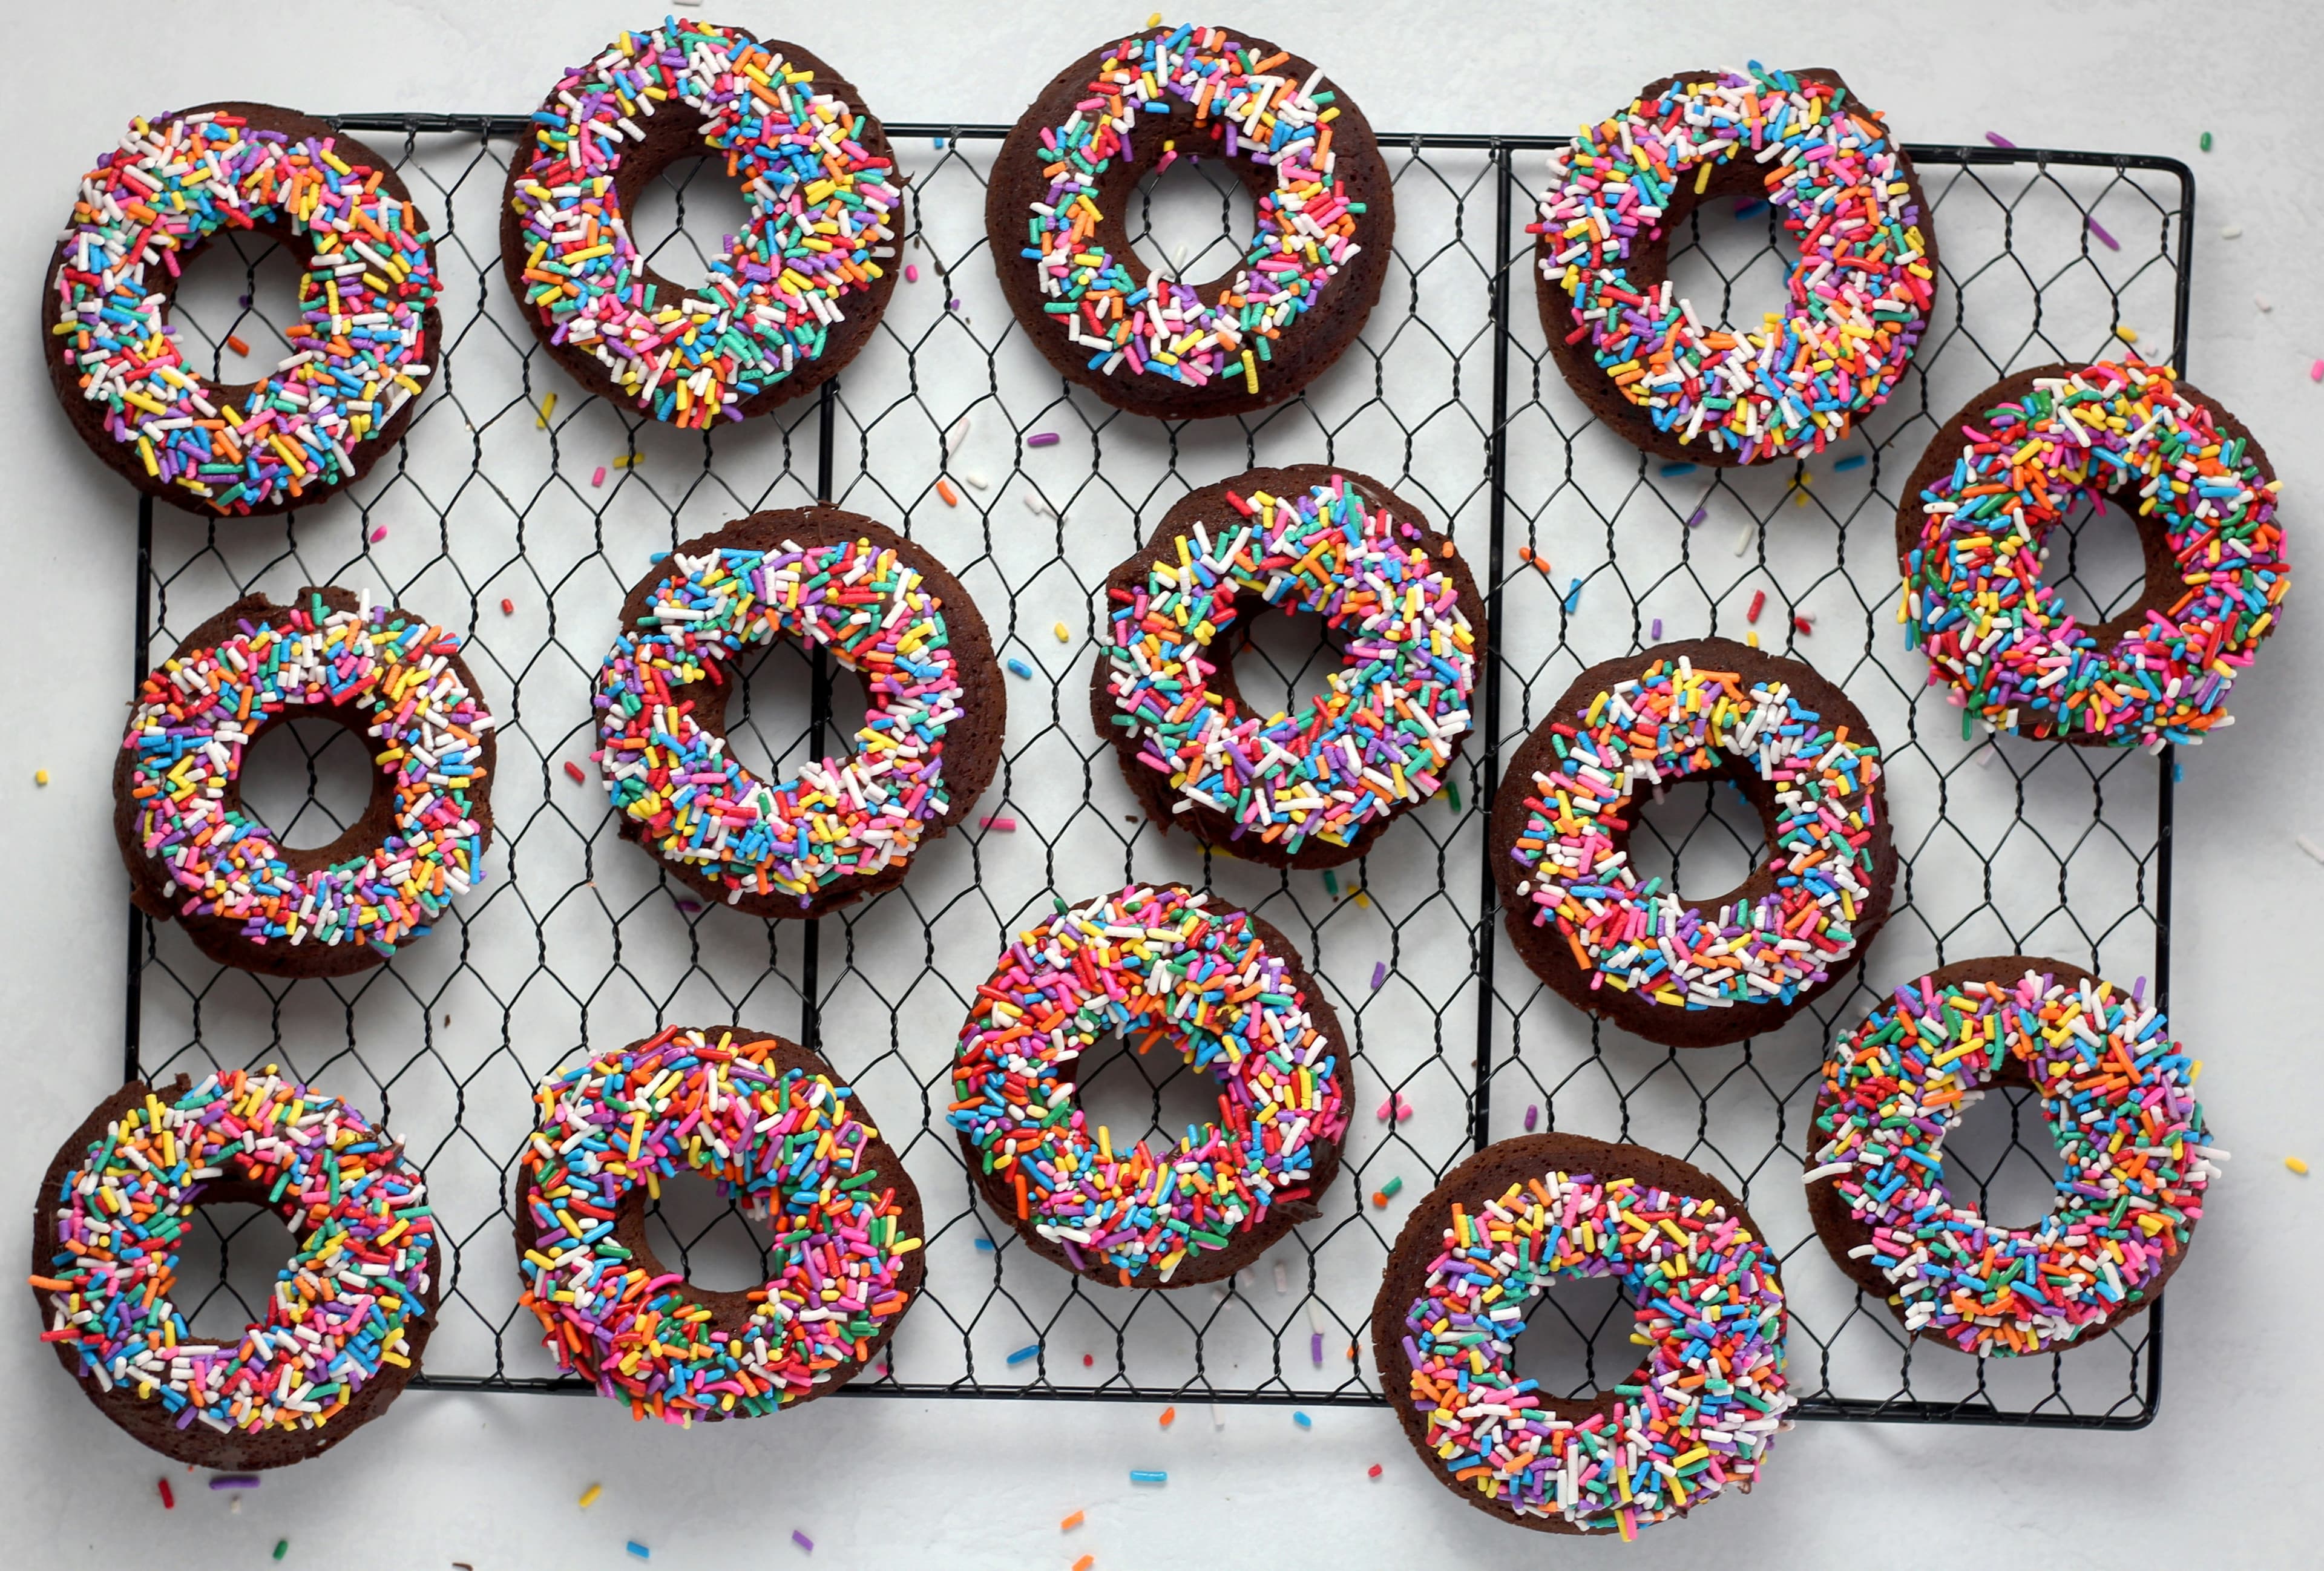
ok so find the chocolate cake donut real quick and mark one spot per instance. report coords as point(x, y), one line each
point(1642, 360)
point(1696, 1417)
point(195, 854)
point(1692, 974)
point(846, 827)
point(791, 300)
point(1298, 294)
point(1315, 786)
point(364, 344)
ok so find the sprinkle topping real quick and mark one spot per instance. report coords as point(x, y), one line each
point(792, 1147)
point(820, 201)
point(342, 1306)
point(1392, 714)
point(199, 713)
point(1697, 1416)
point(1306, 224)
point(843, 818)
point(1860, 289)
point(1672, 720)
point(359, 349)
point(1152, 964)
point(2005, 640)
point(2118, 1096)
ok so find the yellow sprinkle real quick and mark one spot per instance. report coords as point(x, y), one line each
point(2127, 334)
point(39, 777)
point(547, 407)
point(2295, 1164)
point(1363, 900)
point(1155, 19)
point(589, 1495)
point(1063, 636)
point(1752, 638)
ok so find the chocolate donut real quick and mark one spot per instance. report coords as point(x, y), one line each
point(1561, 832)
point(1296, 296)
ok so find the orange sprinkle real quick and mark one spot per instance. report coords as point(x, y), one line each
point(951, 497)
point(1070, 1524)
point(1084, 1563)
point(236, 345)
point(1168, 1414)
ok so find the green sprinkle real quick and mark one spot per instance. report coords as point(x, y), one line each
point(282, 1547)
point(1331, 884)
point(2207, 141)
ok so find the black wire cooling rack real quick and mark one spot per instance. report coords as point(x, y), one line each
point(519, 510)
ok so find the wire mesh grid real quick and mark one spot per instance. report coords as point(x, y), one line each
point(518, 511)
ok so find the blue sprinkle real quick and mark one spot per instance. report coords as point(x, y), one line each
point(1147, 1475)
point(1572, 596)
point(639, 1550)
point(939, 140)
point(1853, 461)
point(1671, 471)
point(1019, 667)
point(1022, 1354)
point(1302, 1420)
point(985, 1245)
point(2178, 773)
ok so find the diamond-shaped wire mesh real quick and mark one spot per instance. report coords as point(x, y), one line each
point(520, 522)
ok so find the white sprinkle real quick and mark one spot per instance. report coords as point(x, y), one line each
point(1743, 538)
point(2312, 848)
point(1036, 506)
point(955, 435)
point(1218, 1416)
point(2263, 303)
point(975, 479)
point(2231, 231)
point(1987, 755)
point(1282, 1279)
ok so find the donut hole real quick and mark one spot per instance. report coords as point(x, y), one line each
point(1703, 838)
point(705, 1237)
point(229, 1257)
point(309, 779)
point(2095, 558)
point(1730, 260)
point(239, 286)
point(1151, 1096)
point(686, 216)
point(2000, 1157)
point(770, 709)
point(1191, 221)
point(1282, 661)
point(1577, 1337)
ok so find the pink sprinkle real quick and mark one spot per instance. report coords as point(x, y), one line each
point(1999, 140)
point(1042, 440)
point(1533, 1116)
point(2316, 372)
point(911, 272)
point(1004, 824)
point(1397, 1105)
point(599, 477)
point(379, 534)
point(802, 1540)
point(2098, 229)
point(1379, 974)
point(573, 770)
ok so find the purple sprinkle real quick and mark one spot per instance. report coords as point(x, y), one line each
point(1042, 440)
point(952, 305)
point(1657, 634)
point(245, 303)
point(1533, 1116)
point(2098, 229)
point(1315, 1347)
point(1999, 140)
point(2138, 990)
point(1379, 974)
point(802, 1540)
point(1699, 514)
point(235, 1480)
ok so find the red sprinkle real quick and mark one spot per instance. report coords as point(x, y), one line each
point(1373, 1471)
point(1758, 604)
point(573, 770)
point(169, 1499)
point(508, 607)
point(1803, 625)
point(236, 345)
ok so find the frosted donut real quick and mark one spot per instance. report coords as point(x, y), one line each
point(1292, 301)
point(792, 299)
point(1313, 786)
point(1702, 971)
point(1154, 964)
point(349, 1313)
point(768, 1123)
point(364, 344)
point(2006, 469)
point(195, 853)
point(2118, 1096)
point(1861, 287)
point(1694, 1419)
point(846, 827)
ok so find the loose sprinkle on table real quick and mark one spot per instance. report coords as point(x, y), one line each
point(1379, 974)
point(1373, 1471)
point(2206, 143)
point(2127, 334)
point(599, 477)
point(2231, 232)
point(1853, 461)
point(1000, 821)
point(1065, 635)
point(802, 1540)
point(1743, 534)
point(547, 407)
point(1071, 1523)
point(2296, 1165)
point(2311, 848)
point(589, 1495)
point(573, 770)
point(282, 1547)
point(379, 534)
point(1084, 1563)
point(1697, 516)
point(2316, 372)
point(951, 497)
point(39, 777)
point(1533, 1115)
point(1018, 667)
point(1656, 633)
point(1022, 1354)
point(639, 1550)
point(1999, 140)
point(1042, 440)
point(912, 269)
point(1302, 1420)
point(1758, 604)
point(508, 606)
point(2098, 229)
point(236, 345)
point(1147, 1475)
point(168, 1496)
point(1168, 1414)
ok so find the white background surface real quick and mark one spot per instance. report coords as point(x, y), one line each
point(492, 1480)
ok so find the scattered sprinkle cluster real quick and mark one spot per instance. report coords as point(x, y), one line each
point(197, 716)
point(1392, 714)
point(341, 1307)
point(359, 347)
point(2119, 1099)
point(1150, 965)
point(1676, 719)
point(785, 1141)
point(843, 818)
point(1306, 225)
point(2014, 655)
point(820, 202)
point(1697, 1416)
point(1860, 289)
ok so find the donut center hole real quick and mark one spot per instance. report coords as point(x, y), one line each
point(1193, 220)
point(2001, 1159)
point(2094, 560)
point(229, 1257)
point(686, 217)
point(1283, 661)
point(698, 1232)
point(308, 780)
point(241, 288)
point(1702, 839)
point(1731, 260)
point(772, 710)
point(1577, 1337)
point(1151, 1096)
